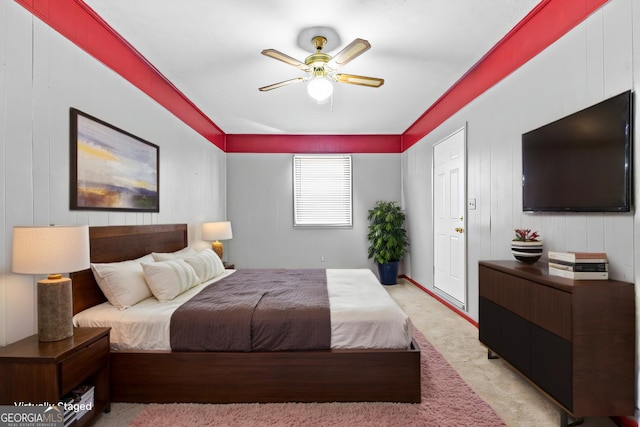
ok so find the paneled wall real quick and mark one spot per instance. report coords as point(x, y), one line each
point(42, 75)
point(260, 206)
point(592, 62)
point(596, 60)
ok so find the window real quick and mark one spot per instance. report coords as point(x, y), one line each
point(322, 190)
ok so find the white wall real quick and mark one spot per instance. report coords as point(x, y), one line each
point(260, 207)
point(593, 62)
point(42, 75)
point(596, 60)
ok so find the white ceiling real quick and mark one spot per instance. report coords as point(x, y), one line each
point(210, 50)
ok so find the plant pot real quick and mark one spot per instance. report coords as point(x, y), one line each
point(388, 273)
point(527, 252)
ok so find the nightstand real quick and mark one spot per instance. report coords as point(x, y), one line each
point(36, 372)
point(228, 266)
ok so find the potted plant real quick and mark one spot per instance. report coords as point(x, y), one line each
point(388, 239)
point(526, 246)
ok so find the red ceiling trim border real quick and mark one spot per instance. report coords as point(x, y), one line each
point(265, 143)
point(545, 24)
point(77, 22)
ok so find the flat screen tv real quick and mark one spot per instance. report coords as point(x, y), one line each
point(582, 162)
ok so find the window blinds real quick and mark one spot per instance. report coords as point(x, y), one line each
point(322, 190)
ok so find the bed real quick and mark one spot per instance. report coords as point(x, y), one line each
point(162, 375)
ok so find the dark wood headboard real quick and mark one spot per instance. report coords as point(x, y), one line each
point(121, 243)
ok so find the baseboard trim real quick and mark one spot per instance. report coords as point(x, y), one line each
point(625, 421)
point(447, 304)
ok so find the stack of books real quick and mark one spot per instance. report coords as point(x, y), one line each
point(69, 412)
point(579, 265)
point(83, 400)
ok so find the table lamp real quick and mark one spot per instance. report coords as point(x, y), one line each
point(217, 231)
point(46, 250)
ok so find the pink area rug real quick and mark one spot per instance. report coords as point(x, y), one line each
point(446, 401)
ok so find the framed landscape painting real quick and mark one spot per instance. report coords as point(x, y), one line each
point(111, 169)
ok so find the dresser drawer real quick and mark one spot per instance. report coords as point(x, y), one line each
point(508, 291)
point(552, 310)
point(82, 364)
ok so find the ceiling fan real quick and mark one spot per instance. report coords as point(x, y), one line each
point(321, 68)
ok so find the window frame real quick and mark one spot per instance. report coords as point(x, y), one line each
point(297, 223)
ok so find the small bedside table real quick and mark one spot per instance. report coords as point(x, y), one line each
point(36, 372)
point(228, 266)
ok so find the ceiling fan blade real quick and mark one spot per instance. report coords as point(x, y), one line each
point(359, 80)
point(349, 53)
point(284, 83)
point(276, 54)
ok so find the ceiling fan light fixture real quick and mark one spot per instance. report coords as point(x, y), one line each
point(319, 88)
point(321, 68)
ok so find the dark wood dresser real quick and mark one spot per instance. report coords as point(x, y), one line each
point(574, 340)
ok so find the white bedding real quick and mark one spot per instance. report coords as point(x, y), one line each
point(363, 316)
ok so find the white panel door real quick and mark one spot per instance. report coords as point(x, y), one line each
point(449, 217)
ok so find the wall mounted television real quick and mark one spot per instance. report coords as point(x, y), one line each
point(582, 162)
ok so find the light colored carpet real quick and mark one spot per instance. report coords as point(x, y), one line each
point(445, 397)
point(513, 399)
point(517, 402)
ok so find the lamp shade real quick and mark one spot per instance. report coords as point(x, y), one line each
point(217, 231)
point(51, 249)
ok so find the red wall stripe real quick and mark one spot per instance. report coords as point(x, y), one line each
point(550, 20)
point(313, 143)
point(545, 24)
point(77, 22)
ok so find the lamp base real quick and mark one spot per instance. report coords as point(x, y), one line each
point(217, 248)
point(55, 309)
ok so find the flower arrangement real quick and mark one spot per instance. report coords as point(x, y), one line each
point(526, 235)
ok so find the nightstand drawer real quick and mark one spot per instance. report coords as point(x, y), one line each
point(83, 363)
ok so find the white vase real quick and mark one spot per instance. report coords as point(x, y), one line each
point(526, 251)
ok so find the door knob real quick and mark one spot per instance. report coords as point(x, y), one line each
point(460, 229)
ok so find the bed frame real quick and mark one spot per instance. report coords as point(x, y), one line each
point(216, 377)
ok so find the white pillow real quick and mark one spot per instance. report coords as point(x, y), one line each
point(207, 264)
point(123, 282)
point(200, 245)
point(146, 258)
point(166, 256)
point(168, 279)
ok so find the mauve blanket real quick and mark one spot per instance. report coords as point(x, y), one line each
point(256, 310)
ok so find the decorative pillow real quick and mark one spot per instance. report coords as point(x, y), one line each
point(207, 264)
point(200, 245)
point(123, 282)
point(168, 279)
point(166, 256)
point(146, 258)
